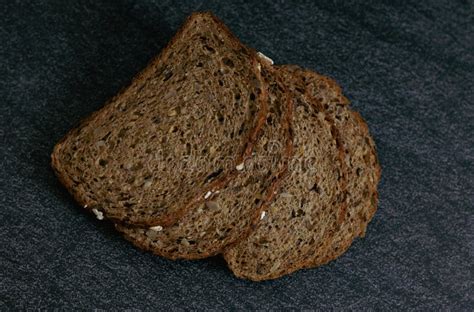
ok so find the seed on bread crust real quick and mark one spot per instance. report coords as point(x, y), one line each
point(265, 58)
point(98, 214)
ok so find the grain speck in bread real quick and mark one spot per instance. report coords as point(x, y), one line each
point(177, 132)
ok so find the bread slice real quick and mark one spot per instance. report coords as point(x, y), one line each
point(311, 205)
point(229, 215)
point(176, 133)
point(360, 160)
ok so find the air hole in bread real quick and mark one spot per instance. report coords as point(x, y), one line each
point(228, 62)
point(137, 166)
point(315, 188)
point(168, 75)
point(128, 205)
point(241, 129)
point(270, 120)
point(156, 119)
point(210, 49)
point(214, 175)
point(122, 132)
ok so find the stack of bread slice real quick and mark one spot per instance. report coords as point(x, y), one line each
point(213, 149)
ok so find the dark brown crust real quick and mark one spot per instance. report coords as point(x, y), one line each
point(173, 216)
point(271, 192)
point(378, 169)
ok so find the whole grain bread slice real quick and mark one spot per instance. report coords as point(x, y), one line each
point(176, 133)
point(229, 215)
point(311, 205)
point(363, 169)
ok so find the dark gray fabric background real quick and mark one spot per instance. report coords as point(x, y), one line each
point(408, 68)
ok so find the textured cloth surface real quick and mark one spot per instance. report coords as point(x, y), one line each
point(408, 69)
